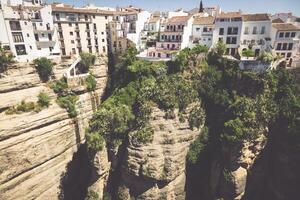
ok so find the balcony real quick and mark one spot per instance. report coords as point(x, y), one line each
point(45, 44)
point(170, 40)
point(43, 31)
point(76, 29)
point(78, 45)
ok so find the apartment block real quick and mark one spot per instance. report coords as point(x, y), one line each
point(256, 33)
point(81, 29)
point(28, 30)
point(285, 39)
point(228, 28)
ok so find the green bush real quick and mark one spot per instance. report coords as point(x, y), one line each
point(196, 117)
point(5, 59)
point(95, 141)
point(21, 108)
point(91, 83)
point(198, 146)
point(44, 68)
point(92, 195)
point(248, 53)
point(87, 60)
point(43, 99)
point(59, 86)
point(68, 102)
point(143, 136)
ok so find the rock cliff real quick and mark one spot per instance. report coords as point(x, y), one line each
point(35, 147)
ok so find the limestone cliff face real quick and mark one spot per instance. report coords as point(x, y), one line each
point(35, 148)
point(157, 170)
point(233, 178)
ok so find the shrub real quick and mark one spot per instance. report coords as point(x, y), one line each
point(5, 59)
point(198, 146)
point(266, 57)
point(92, 195)
point(44, 68)
point(95, 141)
point(143, 136)
point(196, 117)
point(23, 107)
point(59, 86)
point(248, 53)
point(91, 83)
point(68, 102)
point(43, 99)
point(87, 60)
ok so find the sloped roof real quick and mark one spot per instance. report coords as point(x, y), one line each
point(153, 20)
point(178, 19)
point(204, 20)
point(285, 27)
point(229, 15)
point(278, 20)
point(256, 17)
point(70, 9)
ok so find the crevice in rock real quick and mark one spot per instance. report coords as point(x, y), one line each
point(75, 181)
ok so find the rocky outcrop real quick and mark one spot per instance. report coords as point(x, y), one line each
point(36, 147)
point(156, 170)
point(229, 175)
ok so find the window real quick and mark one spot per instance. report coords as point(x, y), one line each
point(88, 34)
point(263, 30)
point(17, 37)
point(287, 34)
point(221, 31)
point(49, 36)
point(50, 49)
point(254, 30)
point(15, 25)
point(279, 46)
point(220, 39)
point(288, 55)
point(94, 16)
point(197, 29)
point(20, 49)
point(57, 17)
point(246, 32)
point(290, 47)
point(30, 47)
point(28, 35)
point(102, 33)
point(283, 55)
point(106, 17)
point(73, 51)
point(71, 33)
point(72, 41)
point(25, 23)
point(231, 40)
point(232, 30)
point(284, 46)
point(36, 36)
point(281, 35)
point(103, 40)
point(205, 29)
point(41, 24)
point(70, 24)
point(293, 34)
point(43, 35)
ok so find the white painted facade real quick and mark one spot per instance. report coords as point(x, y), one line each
point(228, 28)
point(256, 35)
point(285, 43)
point(30, 31)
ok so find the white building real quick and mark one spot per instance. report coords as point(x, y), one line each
point(29, 28)
point(285, 40)
point(256, 33)
point(228, 29)
point(81, 29)
point(202, 31)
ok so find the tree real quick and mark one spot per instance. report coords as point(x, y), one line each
point(220, 48)
point(5, 59)
point(91, 83)
point(266, 57)
point(44, 68)
point(87, 60)
point(248, 53)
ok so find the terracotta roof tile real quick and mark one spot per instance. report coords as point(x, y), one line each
point(278, 20)
point(204, 20)
point(256, 17)
point(229, 15)
point(285, 27)
point(178, 19)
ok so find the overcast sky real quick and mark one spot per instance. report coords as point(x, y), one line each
point(249, 6)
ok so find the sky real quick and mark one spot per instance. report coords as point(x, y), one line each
point(247, 6)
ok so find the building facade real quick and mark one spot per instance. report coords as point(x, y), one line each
point(256, 33)
point(228, 29)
